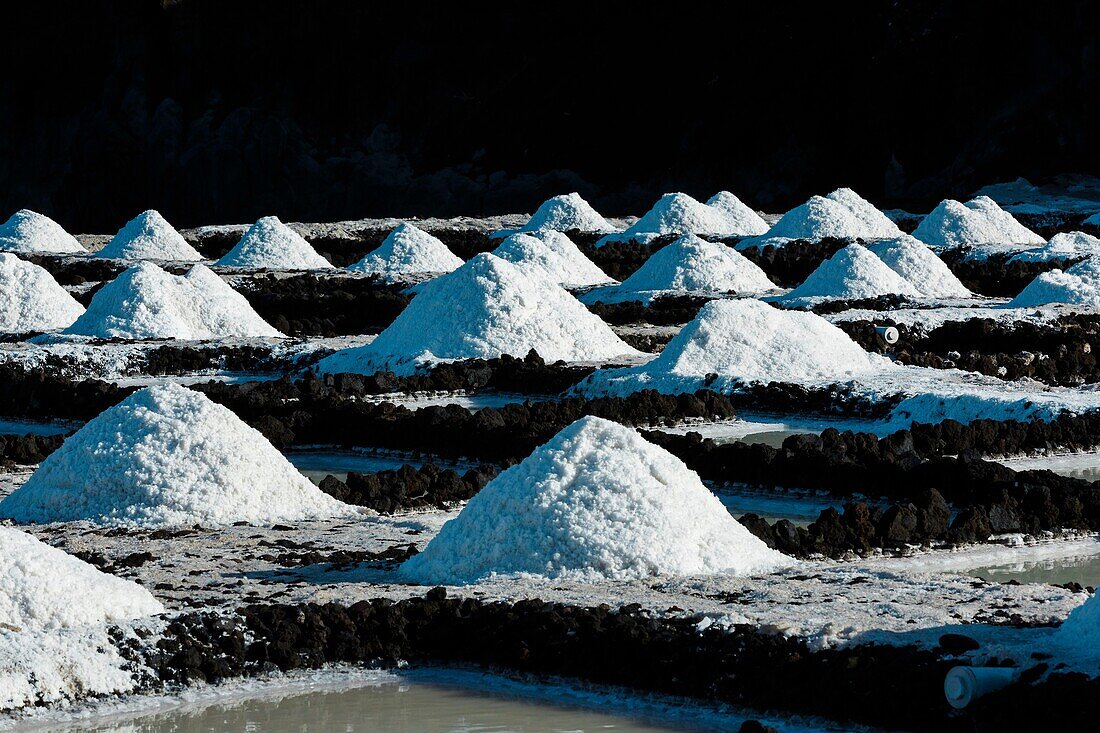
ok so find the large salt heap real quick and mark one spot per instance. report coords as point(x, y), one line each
point(565, 213)
point(168, 456)
point(486, 308)
point(27, 231)
point(408, 250)
point(843, 214)
point(853, 273)
point(689, 265)
point(977, 222)
point(678, 213)
point(553, 254)
point(271, 244)
point(743, 220)
point(1078, 285)
point(597, 501)
point(149, 236)
point(1062, 246)
point(31, 300)
point(146, 302)
point(920, 267)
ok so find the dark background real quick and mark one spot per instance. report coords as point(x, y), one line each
point(219, 112)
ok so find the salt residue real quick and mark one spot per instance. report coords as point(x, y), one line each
point(851, 274)
point(979, 221)
point(271, 244)
point(565, 213)
point(31, 300)
point(168, 456)
point(408, 250)
point(843, 214)
point(486, 308)
point(1079, 285)
point(27, 231)
point(1062, 246)
point(678, 213)
point(554, 255)
point(597, 501)
point(743, 220)
point(149, 236)
point(147, 302)
point(919, 265)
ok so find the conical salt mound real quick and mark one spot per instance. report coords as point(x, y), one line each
point(1079, 285)
point(1062, 246)
point(145, 302)
point(920, 267)
point(167, 455)
point(271, 244)
point(31, 300)
point(843, 214)
point(408, 250)
point(484, 309)
point(565, 213)
point(733, 343)
point(42, 587)
point(149, 236)
point(873, 223)
point(27, 231)
point(743, 220)
point(979, 221)
point(597, 501)
point(851, 274)
point(553, 254)
point(676, 213)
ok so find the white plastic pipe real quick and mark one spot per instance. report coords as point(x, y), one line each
point(889, 334)
point(963, 685)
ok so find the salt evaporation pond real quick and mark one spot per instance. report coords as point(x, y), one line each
point(799, 509)
point(16, 426)
point(771, 429)
point(1076, 465)
point(1083, 569)
point(317, 463)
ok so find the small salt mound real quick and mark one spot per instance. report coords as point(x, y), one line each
point(408, 250)
point(1079, 285)
point(843, 214)
point(272, 245)
point(852, 273)
point(146, 302)
point(689, 265)
point(1062, 246)
point(167, 455)
point(42, 587)
point(732, 343)
point(676, 213)
point(564, 213)
point(1081, 629)
point(31, 300)
point(27, 231)
point(484, 309)
point(919, 265)
point(979, 221)
point(873, 223)
point(743, 220)
point(597, 501)
point(149, 236)
point(553, 254)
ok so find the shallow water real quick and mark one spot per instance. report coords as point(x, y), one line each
point(772, 429)
point(1077, 465)
point(316, 464)
point(472, 402)
point(1083, 569)
point(35, 427)
point(800, 509)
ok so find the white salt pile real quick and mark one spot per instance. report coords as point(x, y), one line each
point(597, 501)
point(565, 213)
point(271, 244)
point(408, 250)
point(27, 231)
point(167, 455)
point(555, 256)
point(678, 213)
point(1080, 631)
point(1062, 246)
point(743, 220)
point(979, 221)
point(843, 214)
point(149, 236)
point(920, 267)
point(44, 588)
point(688, 265)
point(146, 302)
point(1079, 285)
point(31, 300)
point(852, 273)
point(486, 308)
point(732, 343)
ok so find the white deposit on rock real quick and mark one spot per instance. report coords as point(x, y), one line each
point(743, 220)
point(598, 501)
point(272, 245)
point(732, 343)
point(920, 266)
point(44, 588)
point(27, 231)
point(1062, 246)
point(484, 309)
point(1079, 285)
point(31, 300)
point(408, 250)
point(168, 456)
point(565, 213)
point(555, 256)
point(843, 214)
point(678, 213)
point(978, 221)
point(853, 273)
point(149, 236)
point(146, 302)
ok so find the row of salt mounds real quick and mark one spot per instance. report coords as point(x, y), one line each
point(271, 244)
point(555, 256)
point(1078, 285)
point(678, 213)
point(484, 309)
point(408, 250)
point(31, 300)
point(145, 302)
point(42, 587)
point(563, 213)
point(1062, 246)
point(732, 343)
point(149, 236)
point(27, 231)
point(168, 456)
point(597, 501)
point(690, 265)
point(853, 273)
point(921, 267)
point(843, 214)
point(979, 221)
